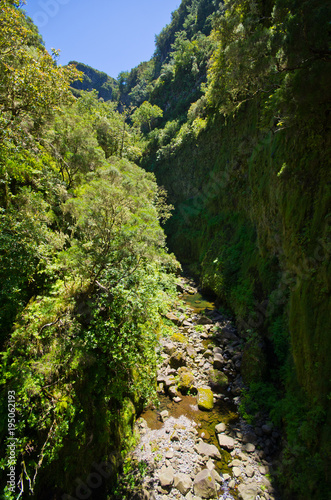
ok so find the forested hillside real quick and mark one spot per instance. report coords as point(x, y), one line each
point(84, 273)
point(243, 150)
point(231, 117)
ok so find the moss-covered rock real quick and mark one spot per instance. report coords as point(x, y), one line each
point(205, 398)
point(186, 380)
point(217, 379)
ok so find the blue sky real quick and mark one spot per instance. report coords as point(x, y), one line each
point(109, 35)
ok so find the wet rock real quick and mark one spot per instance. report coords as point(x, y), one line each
point(205, 399)
point(183, 483)
point(225, 441)
point(204, 484)
point(164, 415)
point(208, 450)
point(220, 428)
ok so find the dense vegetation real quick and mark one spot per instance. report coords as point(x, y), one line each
point(232, 117)
point(85, 275)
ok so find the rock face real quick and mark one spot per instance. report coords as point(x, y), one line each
point(204, 485)
point(205, 398)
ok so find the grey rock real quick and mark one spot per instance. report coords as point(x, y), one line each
point(249, 447)
point(183, 483)
point(218, 361)
point(225, 441)
point(204, 485)
point(166, 477)
point(208, 450)
point(248, 491)
point(221, 427)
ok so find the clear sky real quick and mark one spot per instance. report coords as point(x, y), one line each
point(109, 35)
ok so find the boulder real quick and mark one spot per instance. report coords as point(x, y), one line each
point(220, 428)
point(205, 321)
point(225, 441)
point(173, 318)
point(248, 491)
point(186, 380)
point(169, 348)
point(204, 485)
point(205, 399)
point(183, 483)
point(208, 450)
point(191, 352)
point(166, 477)
point(249, 447)
point(218, 361)
point(177, 359)
point(217, 379)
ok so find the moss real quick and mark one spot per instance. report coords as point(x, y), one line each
point(186, 380)
point(205, 399)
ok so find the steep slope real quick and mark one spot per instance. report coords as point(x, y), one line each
point(247, 167)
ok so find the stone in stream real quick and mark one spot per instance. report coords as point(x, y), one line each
point(208, 450)
point(204, 485)
point(183, 483)
point(225, 441)
point(164, 415)
point(220, 428)
point(205, 399)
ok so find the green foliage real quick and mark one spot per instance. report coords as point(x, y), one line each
point(85, 277)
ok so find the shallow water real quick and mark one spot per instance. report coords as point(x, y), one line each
point(205, 420)
point(197, 302)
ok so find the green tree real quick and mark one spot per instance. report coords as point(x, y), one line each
point(146, 115)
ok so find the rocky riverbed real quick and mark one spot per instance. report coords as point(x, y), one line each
point(195, 445)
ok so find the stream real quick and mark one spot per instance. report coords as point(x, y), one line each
point(194, 444)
